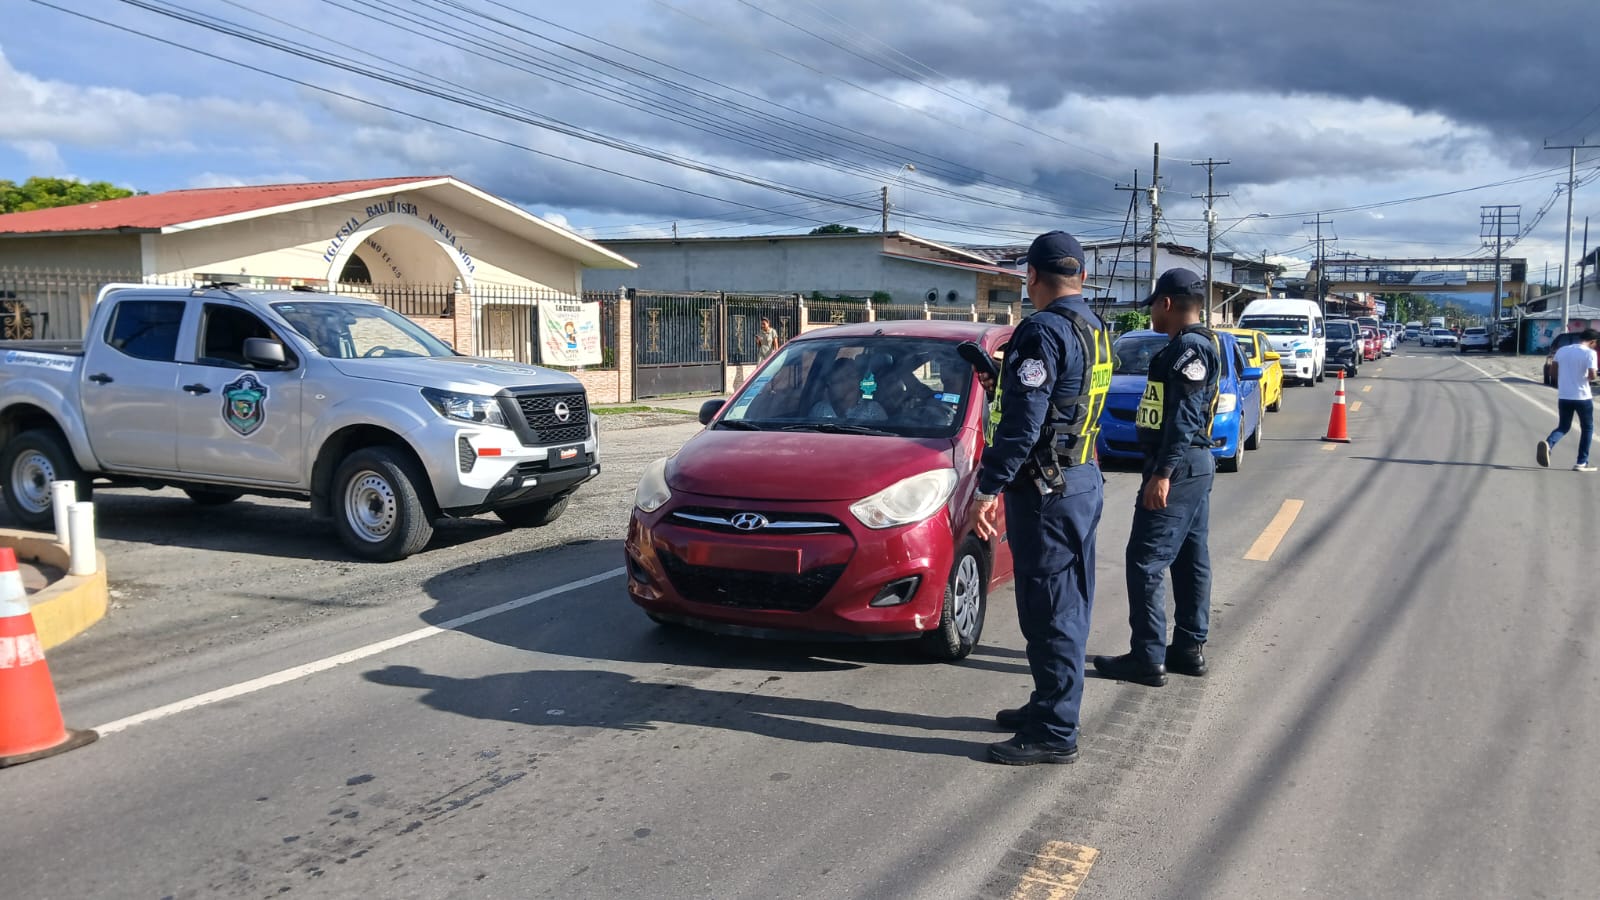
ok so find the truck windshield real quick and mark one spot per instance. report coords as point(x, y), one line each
point(1277, 324)
point(359, 330)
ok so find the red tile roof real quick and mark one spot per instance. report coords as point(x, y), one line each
point(152, 212)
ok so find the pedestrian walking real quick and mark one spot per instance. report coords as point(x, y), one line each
point(1575, 368)
point(1041, 457)
point(1171, 517)
point(766, 339)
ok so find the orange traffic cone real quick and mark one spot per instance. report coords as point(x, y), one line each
point(1337, 431)
point(30, 719)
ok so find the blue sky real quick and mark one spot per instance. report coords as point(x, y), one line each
point(1016, 123)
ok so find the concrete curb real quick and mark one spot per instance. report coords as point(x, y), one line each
point(68, 607)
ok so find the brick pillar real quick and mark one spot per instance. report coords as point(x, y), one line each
point(624, 347)
point(465, 334)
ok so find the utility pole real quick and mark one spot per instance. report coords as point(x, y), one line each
point(1155, 216)
point(1494, 217)
point(1566, 257)
point(885, 206)
point(1210, 196)
point(1583, 260)
point(1322, 294)
point(1136, 189)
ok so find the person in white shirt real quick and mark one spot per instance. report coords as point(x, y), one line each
point(1575, 368)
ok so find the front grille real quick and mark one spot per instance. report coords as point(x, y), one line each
point(1123, 446)
point(721, 521)
point(1117, 412)
point(539, 411)
point(741, 589)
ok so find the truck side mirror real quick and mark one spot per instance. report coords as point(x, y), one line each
point(264, 353)
point(709, 410)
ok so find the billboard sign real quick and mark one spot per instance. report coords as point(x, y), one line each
point(1424, 279)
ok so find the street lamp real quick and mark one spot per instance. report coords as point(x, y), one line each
point(904, 168)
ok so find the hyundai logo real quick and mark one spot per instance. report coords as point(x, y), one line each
point(563, 411)
point(749, 521)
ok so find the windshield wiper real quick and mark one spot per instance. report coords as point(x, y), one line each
point(739, 425)
point(839, 428)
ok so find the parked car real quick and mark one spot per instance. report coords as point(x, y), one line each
point(1344, 346)
point(1258, 352)
point(1475, 338)
point(1236, 427)
point(223, 392)
point(1371, 343)
point(829, 497)
point(1413, 331)
point(1388, 343)
point(1440, 337)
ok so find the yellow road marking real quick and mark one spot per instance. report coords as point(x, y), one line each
point(1356, 406)
point(1329, 447)
point(1366, 389)
point(1058, 870)
point(1268, 542)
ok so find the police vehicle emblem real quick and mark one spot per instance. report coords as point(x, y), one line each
point(244, 404)
point(1031, 372)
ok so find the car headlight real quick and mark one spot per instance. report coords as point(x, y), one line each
point(474, 408)
point(1302, 352)
point(1227, 403)
point(652, 492)
point(908, 500)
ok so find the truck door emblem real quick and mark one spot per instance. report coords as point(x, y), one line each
point(244, 404)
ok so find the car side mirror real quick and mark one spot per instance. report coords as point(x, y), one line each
point(1251, 373)
point(709, 410)
point(1273, 356)
point(264, 353)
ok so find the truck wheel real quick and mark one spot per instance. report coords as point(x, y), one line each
point(377, 510)
point(965, 601)
point(206, 497)
point(533, 515)
point(32, 460)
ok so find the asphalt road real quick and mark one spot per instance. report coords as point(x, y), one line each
point(1400, 705)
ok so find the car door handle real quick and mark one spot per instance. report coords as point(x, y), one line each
point(197, 389)
point(101, 378)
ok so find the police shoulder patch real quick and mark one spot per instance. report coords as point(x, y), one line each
point(1195, 370)
point(1031, 372)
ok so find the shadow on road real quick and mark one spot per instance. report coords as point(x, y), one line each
point(1447, 462)
point(617, 701)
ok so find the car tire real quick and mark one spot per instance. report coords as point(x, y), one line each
point(30, 462)
point(1232, 463)
point(1253, 442)
point(1277, 405)
point(966, 595)
point(208, 497)
point(1322, 372)
point(533, 515)
point(379, 510)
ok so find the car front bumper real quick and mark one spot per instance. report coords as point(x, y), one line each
point(474, 469)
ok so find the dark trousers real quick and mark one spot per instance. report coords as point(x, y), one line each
point(1052, 547)
point(1173, 538)
point(1584, 410)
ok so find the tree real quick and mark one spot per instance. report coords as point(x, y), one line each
point(1132, 320)
point(46, 193)
point(836, 229)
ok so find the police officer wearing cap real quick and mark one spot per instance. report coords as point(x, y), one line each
point(1041, 457)
point(1171, 520)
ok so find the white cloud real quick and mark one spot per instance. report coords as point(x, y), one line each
point(44, 158)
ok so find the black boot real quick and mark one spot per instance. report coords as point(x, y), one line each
point(1185, 658)
point(1011, 719)
point(1017, 752)
point(1126, 668)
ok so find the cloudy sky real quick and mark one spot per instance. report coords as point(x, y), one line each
point(623, 117)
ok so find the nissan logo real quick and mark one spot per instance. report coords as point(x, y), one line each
point(749, 521)
point(563, 411)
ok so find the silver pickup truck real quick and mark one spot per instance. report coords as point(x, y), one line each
point(224, 392)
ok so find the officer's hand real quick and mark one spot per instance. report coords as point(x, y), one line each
point(985, 515)
point(987, 380)
point(1155, 493)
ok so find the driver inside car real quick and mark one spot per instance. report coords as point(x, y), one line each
point(848, 396)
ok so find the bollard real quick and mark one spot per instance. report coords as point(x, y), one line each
point(62, 495)
point(82, 547)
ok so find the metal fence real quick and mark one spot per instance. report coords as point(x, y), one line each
point(886, 312)
point(54, 304)
point(950, 313)
point(417, 301)
point(835, 312)
point(678, 345)
point(745, 312)
point(995, 315)
point(506, 322)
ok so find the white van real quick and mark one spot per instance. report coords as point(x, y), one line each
point(1295, 329)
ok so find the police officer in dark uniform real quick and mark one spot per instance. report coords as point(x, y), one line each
point(1041, 456)
point(1171, 519)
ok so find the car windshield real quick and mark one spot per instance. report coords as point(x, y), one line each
point(1132, 354)
point(890, 386)
point(1277, 324)
point(1338, 331)
point(345, 330)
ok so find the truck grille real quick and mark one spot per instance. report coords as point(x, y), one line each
point(539, 411)
point(751, 590)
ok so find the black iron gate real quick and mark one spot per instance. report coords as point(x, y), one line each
point(677, 344)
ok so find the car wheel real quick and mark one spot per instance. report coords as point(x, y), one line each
point(965, 602)
point(533, 515)
point(1253, 442)
point(1277, 405)
point(1322, 373)
point(32, 460)
point(1231, 463)
point(207, 497)
point(378, 510)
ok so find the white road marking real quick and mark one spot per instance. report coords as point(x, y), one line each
point(322, 665)
point(1542, 405)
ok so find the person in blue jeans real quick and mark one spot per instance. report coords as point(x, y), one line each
point(1575, 368)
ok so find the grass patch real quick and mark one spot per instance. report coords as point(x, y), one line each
point(632, 410)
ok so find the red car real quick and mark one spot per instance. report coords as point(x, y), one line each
point(1371, 344)
point(829, 498)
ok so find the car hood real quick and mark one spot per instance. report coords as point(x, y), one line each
point(801, 465)
point(465, 374)
point(1126, 384)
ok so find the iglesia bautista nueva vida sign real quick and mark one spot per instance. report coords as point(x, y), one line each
point(355, 223)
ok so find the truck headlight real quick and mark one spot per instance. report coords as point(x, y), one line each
point(1227, 403)
point(652, 492)
point(908, 500)
point(1302, 352)
point(474, 408)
